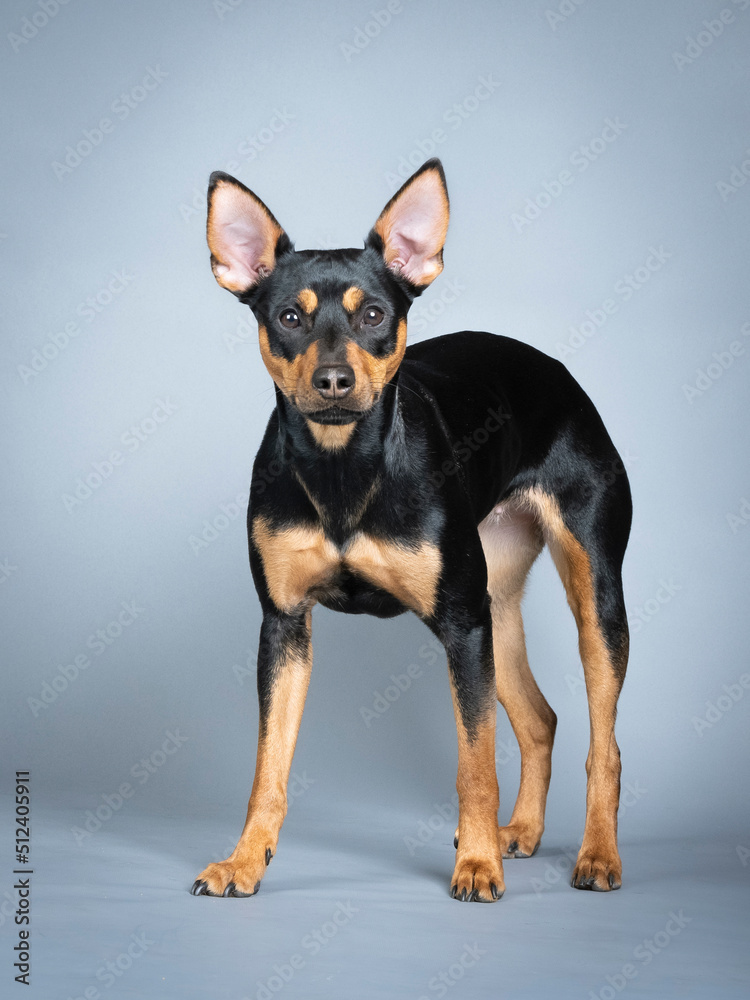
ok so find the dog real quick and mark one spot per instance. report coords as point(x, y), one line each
point(425, 478)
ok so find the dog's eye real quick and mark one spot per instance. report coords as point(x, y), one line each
point(373, 316)
point(289, 319)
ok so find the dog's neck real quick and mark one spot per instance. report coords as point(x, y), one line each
point(339, 482)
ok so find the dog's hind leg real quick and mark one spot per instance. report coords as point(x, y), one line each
point(587, 550)
point(512, 539)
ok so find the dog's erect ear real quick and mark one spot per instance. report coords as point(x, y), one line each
point(413, 225)
point(243, 236)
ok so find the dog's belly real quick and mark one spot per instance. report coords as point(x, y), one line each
point(355, 596)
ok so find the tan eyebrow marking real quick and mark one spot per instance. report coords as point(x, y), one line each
point(352, 298)
point(308, 300)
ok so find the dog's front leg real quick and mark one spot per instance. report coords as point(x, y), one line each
point(284, 664)
point(478, 875)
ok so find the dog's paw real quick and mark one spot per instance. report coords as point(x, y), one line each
point(519, 841)
point(601, 872)
point(239, 876)
point(477, 881)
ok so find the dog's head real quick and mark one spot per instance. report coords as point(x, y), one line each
point(331, 323)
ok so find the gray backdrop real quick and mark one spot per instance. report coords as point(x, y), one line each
point(598, 161)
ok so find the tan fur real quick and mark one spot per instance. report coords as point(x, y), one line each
point(598, 857)
point(395, 359)
point(376, 372)
point(308, 300)
point(296, 560)
point(288, 375)
point(331, 437)
point(478, 856)
point(294, 378)
point(352, 298)
point(411, 575)
point(267, 807)
point(512, 540)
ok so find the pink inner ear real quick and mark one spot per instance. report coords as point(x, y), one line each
point(414, 230)
point(241, 245)
point(242, 237)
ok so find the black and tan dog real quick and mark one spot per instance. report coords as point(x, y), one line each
point(426, 478)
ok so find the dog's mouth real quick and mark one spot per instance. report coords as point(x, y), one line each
point(333, 415)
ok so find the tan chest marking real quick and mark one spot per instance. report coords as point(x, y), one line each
point(299, 560)
point(410, 574)
point(295, 560)
point(331, 437)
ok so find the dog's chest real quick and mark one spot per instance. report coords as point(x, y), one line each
point(303, 565)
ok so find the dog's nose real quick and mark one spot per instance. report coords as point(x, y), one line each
point(333, 381)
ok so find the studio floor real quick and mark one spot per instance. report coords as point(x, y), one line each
point(356, 905)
